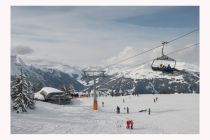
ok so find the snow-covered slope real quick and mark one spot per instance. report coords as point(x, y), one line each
point(171, 114)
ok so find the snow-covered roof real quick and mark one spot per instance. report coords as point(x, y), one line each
point(50, 90)
point(45, 91)
point(39, 96)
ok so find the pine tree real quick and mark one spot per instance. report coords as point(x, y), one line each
point(21, 94)
point(30, 93)
point(70, 90)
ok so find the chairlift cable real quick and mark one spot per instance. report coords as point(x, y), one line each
point(179, 50)
point(150, 49)
point(183, 35)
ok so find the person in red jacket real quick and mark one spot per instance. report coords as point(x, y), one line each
point(128, 124)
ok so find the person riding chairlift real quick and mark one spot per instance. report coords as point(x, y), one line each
point(162, 66)
point(168, 69)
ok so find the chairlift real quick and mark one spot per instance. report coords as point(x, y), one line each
point(164, 63)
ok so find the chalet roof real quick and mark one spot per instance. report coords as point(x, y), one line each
point(46, 91)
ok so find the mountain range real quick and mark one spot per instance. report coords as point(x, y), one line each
point(44, 76)
point(119, 80)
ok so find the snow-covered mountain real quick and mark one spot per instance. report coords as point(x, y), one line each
point(119, 80)
point(43, 76)
point(142, 80)
point(71, 70)
point(145, 71)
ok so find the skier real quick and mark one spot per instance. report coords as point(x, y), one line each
point(118, 110)
point(131, 122)
point(102, 104)
point(149, 111)
point(123, 100)
point(154, 100)
point(127, 110)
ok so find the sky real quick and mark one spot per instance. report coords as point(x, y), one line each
point(101, 35)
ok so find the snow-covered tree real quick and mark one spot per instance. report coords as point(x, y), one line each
point(30, 93)
point(21, 94)
point(70, 89)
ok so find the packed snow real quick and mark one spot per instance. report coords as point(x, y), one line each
point(171, 114)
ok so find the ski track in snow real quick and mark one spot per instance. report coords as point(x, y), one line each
point(178, 113)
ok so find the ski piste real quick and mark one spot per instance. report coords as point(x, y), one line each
point(171, 114)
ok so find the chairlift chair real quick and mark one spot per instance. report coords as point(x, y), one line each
point(167, 61)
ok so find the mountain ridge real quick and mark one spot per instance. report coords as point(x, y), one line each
point(43, 77)
point(139, 80)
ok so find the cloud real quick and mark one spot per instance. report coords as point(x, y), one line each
point(175, 17)
point(42, 61)
point(129, 52)
point(22, 50)
point(189, 55)
point(125, 53)
point(77, 35)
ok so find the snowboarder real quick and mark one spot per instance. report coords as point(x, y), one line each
point(149, 111)
point(102, 104)
point(127, 110)
point(118, 110)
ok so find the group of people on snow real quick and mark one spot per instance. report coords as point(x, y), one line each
point(118, 110)
point(129, 123)
point(155, 99)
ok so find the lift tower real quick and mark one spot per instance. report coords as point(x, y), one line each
point(94, 74)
